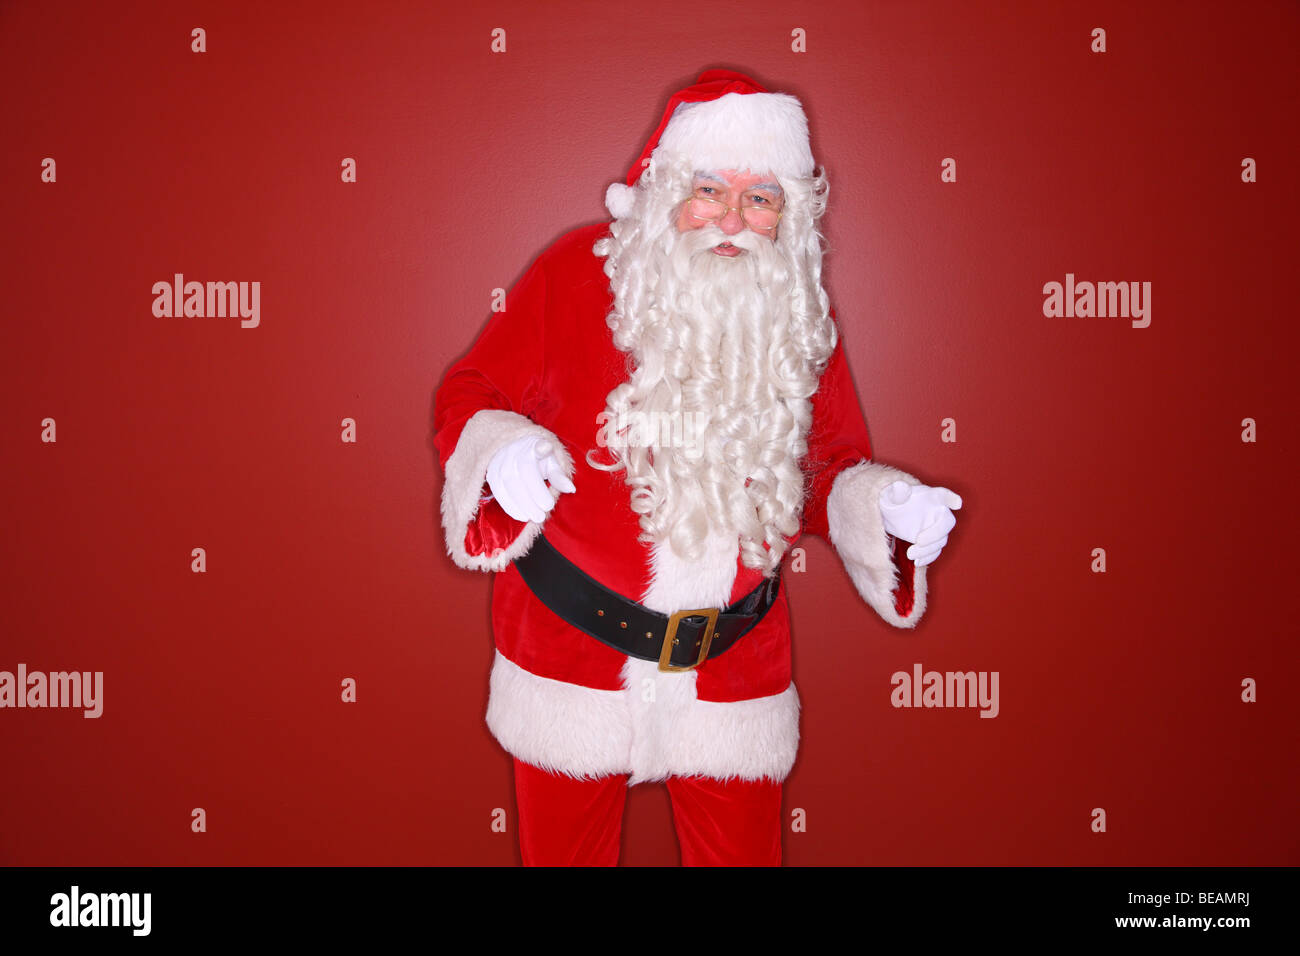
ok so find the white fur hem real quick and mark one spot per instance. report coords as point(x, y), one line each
point(561, 727)
point(857, 531)
point(652, 729)
point(680, 735)
point(466, 470)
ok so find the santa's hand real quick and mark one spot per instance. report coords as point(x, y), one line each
point(920, 515)
point(517, 475)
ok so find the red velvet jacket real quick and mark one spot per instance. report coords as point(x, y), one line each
point(545, 365)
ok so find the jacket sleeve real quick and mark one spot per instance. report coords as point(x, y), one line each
point(843, 500)
point(483, 404)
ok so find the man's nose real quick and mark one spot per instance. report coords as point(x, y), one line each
point(732, 222)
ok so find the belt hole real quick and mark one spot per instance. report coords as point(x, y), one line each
point(649, 634)
point(675, 642)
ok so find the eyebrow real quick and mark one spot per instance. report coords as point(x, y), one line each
point(719, 178)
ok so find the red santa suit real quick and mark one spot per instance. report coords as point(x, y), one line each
point(561, 700)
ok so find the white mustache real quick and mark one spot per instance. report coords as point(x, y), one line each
point(706, 237)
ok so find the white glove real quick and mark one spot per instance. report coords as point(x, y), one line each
point(517, 475)
point(921, 515)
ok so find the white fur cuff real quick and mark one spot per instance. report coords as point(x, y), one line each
point(484, 434)
point(857, 531)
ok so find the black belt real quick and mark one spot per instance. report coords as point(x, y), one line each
point(679, 642)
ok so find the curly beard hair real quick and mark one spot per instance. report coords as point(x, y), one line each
point(724, 354)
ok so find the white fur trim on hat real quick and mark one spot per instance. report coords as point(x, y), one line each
point(763, 132)
point(857, 530)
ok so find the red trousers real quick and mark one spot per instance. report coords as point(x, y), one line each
point(569, 822)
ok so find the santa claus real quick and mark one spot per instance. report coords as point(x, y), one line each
point(633, 444)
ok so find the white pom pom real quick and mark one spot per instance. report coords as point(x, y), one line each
point(619, 200)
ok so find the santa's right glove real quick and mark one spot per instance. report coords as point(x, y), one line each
point(517, 476)
point(920, 515)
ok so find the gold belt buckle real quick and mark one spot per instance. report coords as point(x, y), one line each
point(670, 638)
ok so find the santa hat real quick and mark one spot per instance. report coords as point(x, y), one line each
point(725, 120)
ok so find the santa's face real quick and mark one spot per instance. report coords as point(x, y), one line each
point(732, 201)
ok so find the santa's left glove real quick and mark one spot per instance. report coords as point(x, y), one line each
point(517, 476)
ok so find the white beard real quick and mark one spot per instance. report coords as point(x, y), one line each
point(724, 393)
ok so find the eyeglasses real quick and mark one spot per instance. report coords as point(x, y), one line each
point(758, 218)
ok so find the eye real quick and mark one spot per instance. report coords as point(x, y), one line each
point(706, 190)
point(760, 200)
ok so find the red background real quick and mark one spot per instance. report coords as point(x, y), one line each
point(326, 560)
